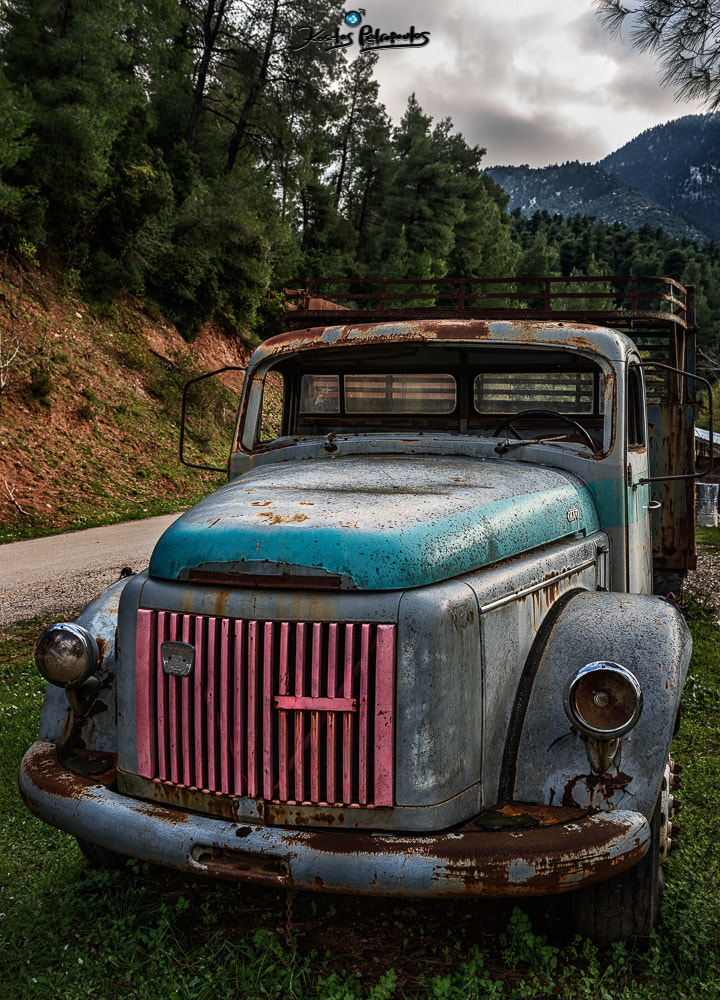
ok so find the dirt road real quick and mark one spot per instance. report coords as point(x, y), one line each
point(50, 574)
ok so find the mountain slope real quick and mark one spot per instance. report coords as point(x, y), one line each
point(588, 189)
point(677, 165)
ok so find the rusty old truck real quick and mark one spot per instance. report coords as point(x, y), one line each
point(413, 645)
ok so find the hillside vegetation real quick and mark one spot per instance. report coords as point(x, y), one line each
point(90, 411)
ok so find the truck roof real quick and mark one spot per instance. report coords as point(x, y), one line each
point(612, 344)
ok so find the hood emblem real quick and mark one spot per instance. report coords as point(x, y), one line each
point(177, 658)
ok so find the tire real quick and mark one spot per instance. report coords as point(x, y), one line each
point(102, 858)
point(626, 906)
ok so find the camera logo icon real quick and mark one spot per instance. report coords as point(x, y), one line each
point(354, 17)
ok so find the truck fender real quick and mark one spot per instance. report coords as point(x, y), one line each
point(545, 758)
point(97, 729)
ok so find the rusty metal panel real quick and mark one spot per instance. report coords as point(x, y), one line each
point(672, 452)
point(375, 522)
point(522, 851)
point(97, 728)
point(645, 634)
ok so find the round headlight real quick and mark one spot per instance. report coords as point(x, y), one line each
point(604, 700)
point(66, 655)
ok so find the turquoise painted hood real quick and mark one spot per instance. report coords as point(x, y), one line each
point(373, 522)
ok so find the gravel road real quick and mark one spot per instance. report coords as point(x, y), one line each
point(46, 575)
point(54, 574)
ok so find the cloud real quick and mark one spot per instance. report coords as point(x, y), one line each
point(534, 81)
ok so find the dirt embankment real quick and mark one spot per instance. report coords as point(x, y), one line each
point(90, 404)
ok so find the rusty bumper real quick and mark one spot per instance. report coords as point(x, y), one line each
point(553, 857)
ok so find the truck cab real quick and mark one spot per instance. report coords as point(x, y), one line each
point(411, 646)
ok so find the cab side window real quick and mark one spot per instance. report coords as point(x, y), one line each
point(636, 408)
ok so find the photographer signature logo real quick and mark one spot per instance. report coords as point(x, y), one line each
point(369, 39)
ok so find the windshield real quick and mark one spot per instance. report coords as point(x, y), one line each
point(540, 394)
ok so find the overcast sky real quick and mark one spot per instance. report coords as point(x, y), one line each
point(533, 81)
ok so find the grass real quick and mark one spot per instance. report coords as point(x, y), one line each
point(69, 932)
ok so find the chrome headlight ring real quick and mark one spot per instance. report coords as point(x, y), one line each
point(603, 700)
point(66, 655)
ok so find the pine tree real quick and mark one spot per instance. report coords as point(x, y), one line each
point(685, 35)
point(15, 147)
point(536, 262)
point(78, 62)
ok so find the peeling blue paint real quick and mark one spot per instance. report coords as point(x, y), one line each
point(382, 522)
point(331, 334)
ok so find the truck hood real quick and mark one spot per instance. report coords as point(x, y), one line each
point(372, 522)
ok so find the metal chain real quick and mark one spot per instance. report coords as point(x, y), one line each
point(289, 894)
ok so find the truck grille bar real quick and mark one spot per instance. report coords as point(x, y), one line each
point(299, 713)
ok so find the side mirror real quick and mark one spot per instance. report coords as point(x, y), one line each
point(186, 390)
point(697, 378)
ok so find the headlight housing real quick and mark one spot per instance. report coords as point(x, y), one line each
point(603, 700)
point(66, 655)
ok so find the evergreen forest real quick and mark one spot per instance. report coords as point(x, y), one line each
point(193, 153)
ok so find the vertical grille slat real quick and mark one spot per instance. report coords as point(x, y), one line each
point(198, 682)
point(347, 717)
point(363, 710)
point(252, 709)
point(332, 716)
point(298, 759)
point(236, 677)
point(187, 715)
point(315, 795)
point(210, 687)
point(161, 701)
point(174, 728)
point(300, 713)
point(283, 689)
point(219, 734)
point(384, 660)
point(268, 709)
point(145, 694)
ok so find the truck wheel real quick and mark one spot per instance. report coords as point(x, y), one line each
point(102, 858)
point(625, 906)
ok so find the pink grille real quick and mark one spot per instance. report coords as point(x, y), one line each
point(292, 712)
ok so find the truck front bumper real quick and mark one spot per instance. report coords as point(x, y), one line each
point(554, 857)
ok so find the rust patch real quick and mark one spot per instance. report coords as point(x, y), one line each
point(282, 580)
point(271, 519)
point(100, 766)
point(45, 771)
point(261, 868)
point(600, 787)
point(276, 814)
point(73, 731)
point(518, 815)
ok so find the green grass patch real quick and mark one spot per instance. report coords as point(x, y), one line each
point(69, 932)
point(708, 539)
